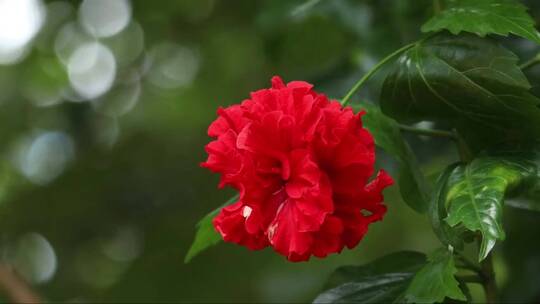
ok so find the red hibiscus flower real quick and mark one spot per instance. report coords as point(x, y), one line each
point(302, 164)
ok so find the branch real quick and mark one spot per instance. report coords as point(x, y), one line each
point(531, 62)
point(427, 132)
point(465, 154)
point(488, 276)
point(17, 290)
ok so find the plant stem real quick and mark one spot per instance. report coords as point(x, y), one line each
point(427, 132)
point(15, 288)
point(465, 153)
point(360, 82)
point(488, 277)
point(531, 62)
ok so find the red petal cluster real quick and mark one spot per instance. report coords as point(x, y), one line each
point(301, 163)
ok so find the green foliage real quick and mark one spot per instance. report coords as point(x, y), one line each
point(436, 280)
point(437, 212)
point(472, 83)
point(381, 281)
point(412, 184)
point(484, 17)
point(206, 235)
point(473, 87)
point(475, 194)
point(131, 206)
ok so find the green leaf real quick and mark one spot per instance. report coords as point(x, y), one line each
point(476, 192)
point(412, 184)
point(473, 84)
point(206, 236)
point(381, 281)
point(436, 280)
point(437, 212)
point(483, 17)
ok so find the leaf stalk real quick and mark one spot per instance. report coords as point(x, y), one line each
point(465, 153)
point(427, 132)
point(488, 276)
point(530, 63)
point(373, 70)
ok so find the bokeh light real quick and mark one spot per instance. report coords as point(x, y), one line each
point(172, 65)
point(58, 13)
point(91, 69)
point(20, 21)
point(34, 258)
point(44, 157)
point(106, 130)
point(68, 39)
point(95, 269)
point(125, 245)
point(104, 18)
point(120, 100)
point(128, 45)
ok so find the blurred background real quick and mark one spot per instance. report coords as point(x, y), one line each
point(104, 106)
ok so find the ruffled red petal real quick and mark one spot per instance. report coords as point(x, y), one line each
point(301, 163)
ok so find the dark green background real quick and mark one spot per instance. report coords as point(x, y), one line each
point(142, 193)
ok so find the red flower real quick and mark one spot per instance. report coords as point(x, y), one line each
point(301, 163)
